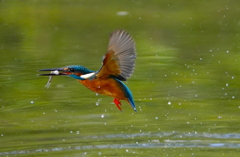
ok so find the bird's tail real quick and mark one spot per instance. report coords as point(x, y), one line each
point(128, 95)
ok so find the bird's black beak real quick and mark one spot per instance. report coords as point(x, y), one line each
point(54, 72)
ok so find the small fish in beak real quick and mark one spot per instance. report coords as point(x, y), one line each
point(56, 72)
point(53, 72)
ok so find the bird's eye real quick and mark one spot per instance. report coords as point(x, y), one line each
point(71, 69)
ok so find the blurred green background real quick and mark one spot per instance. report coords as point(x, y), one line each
point(185, 84)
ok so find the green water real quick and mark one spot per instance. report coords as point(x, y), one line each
point(185, 85)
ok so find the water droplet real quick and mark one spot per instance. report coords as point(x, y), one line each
point(226, 84)
point(2, 135)
point(43, 112)
point(210, 50)
point(227, 51)
point(233, 97)
point(97, 103)
point(200, 59)
point(126, 150)
point(99, 153)
point(102, 115)
point(156, 117)
point(169, 103)
point(233, 77)
point(78, 132)
point(32, 102)
point(71, 132)
point(122, 13)
point(96, 94)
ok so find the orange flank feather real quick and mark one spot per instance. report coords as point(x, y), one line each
point(107, 86)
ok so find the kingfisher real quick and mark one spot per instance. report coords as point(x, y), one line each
point(117, 65)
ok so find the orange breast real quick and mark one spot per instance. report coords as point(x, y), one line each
point(109, 87)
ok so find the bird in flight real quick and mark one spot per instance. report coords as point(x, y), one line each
point(117, 66)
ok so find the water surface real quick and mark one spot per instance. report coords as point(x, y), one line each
point(185, 85)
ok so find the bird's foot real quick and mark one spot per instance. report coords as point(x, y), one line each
point(118, 103)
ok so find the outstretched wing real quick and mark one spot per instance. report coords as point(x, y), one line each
point(119, 61)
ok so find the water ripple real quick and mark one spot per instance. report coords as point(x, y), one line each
point(170, 144)
point(202, 140)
